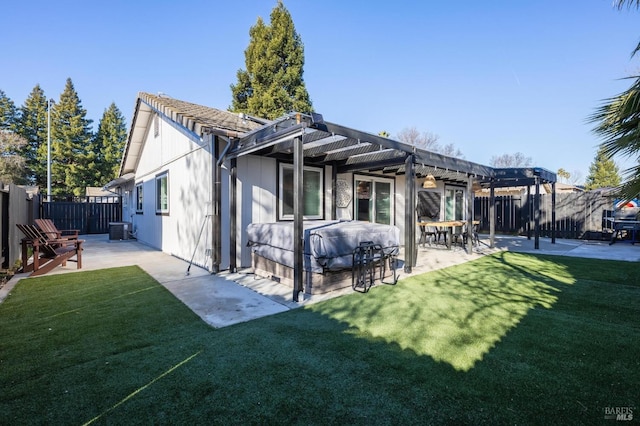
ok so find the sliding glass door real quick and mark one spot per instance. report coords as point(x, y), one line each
point(453, 204)
point(374, 199)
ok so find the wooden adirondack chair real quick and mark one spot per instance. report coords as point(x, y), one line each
point(47, 253)
point(49, 228)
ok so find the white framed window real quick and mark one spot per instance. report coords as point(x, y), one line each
point(162, 193)
point(139, 198)
point(313, 190)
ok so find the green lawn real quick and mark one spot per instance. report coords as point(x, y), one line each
point(507, 339)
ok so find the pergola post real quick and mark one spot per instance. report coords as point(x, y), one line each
point(553, 213)
point(528, 224)
point(536, 214)
point(298, 215)
point(492, 214)
point(334, 190)
point(233, 212)
point(409, 214)
point(469, 214)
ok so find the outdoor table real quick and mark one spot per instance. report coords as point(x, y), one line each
point(628, 226)
point(449, 224)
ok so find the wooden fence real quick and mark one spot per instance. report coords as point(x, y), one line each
point(578, 215)
point(90, 215)
point(16, 206)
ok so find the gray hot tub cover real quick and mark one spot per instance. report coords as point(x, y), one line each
point(328, 245)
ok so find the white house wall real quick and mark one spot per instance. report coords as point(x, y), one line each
point(257, 199)
point(188, 164)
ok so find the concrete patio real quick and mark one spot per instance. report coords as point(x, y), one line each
point(230, 298)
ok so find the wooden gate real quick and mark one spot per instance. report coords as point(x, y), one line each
point(90, 215)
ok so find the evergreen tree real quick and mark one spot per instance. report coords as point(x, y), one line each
point(109, 143)
point(603, 172)
point(12, 163)
point(32, 126)
point(8, 113)
point(70, 138)
point(272, 84)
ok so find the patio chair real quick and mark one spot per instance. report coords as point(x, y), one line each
point(47, 253)
point(49, 228)
point(428, 234)
point(460, 234)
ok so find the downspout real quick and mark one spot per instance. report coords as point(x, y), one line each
point(224, 151)
point(216, 203)
point(215, 206)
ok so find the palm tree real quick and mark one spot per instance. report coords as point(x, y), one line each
point(618, 123)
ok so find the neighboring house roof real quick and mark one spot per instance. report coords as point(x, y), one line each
point(193, 119)
point(94, 191)
point(561, 188)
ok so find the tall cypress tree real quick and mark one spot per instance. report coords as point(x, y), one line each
point(272, 84)
point(32, 125)
point(71, 136)
point(108, 143)
point(603, 172)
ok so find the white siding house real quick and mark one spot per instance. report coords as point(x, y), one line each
point(182, 162)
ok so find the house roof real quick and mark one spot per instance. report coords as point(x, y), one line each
point(324, 143)
point(192, 119)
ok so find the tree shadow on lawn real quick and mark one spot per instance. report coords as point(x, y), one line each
point(457, 314)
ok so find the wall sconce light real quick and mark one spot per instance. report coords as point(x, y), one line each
point(429, 182)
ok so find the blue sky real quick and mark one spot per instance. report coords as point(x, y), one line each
point(489, 77)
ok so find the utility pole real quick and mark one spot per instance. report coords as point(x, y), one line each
point(49, 103)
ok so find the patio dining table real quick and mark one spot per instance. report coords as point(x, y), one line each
point(449, 225)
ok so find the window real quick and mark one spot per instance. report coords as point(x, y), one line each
point(162, 194)
point(312, 192)
point(454, 204)
point(374, 199)
point(139, 198)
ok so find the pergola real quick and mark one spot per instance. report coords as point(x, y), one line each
point(309, 140)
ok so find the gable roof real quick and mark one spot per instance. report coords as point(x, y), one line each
point(192, 119)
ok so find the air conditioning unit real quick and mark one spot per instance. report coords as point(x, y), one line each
point(119, 231)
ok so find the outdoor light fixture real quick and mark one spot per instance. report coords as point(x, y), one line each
point(429, 182)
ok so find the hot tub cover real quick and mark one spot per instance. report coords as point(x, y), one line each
point(328, 245)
